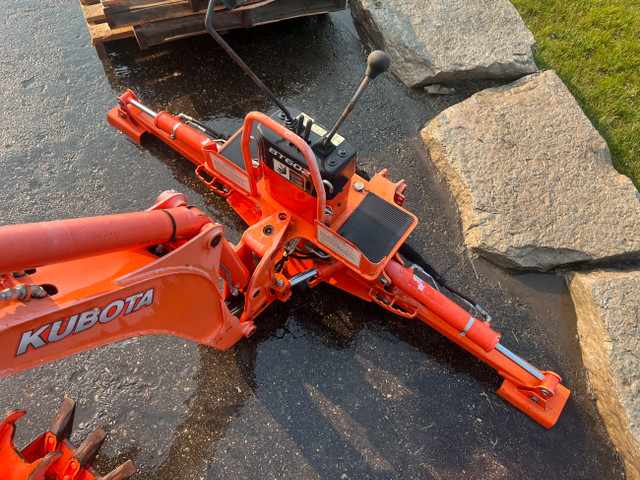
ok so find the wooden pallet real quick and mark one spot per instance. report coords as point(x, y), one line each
point(129, 13)
point(153, 22)
point(99, 29)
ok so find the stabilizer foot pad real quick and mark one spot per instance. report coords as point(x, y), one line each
point(544, 410)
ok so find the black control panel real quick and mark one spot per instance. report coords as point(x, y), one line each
point(337, 163)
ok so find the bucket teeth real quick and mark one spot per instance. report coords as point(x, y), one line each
point(63, 423)
point(51, 456)
point(123, 472)
point(89, 448)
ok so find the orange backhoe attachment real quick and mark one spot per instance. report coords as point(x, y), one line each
point(52, 456)
point(73, 285)
point(360, 237)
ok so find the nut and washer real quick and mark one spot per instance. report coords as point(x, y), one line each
point(358, 186)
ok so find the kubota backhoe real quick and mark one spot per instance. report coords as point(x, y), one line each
point(73, 285)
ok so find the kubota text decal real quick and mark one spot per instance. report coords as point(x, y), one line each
point(83, 321)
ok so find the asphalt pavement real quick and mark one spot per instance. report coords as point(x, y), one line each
point(330, 387)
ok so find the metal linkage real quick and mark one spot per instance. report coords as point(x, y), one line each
point(23, 292)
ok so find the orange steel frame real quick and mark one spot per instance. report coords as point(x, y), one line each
point(110, 286)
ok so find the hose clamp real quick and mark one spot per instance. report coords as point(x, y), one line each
point(175, 128)
point(466, 329)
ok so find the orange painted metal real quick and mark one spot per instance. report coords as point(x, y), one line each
point(117, 117)
point(112, 296)
point(36, 244)
point(128, 118)
point(542, 399)
point(120, 289)
point(405, 294)
point(51, 456)
point(271, 124)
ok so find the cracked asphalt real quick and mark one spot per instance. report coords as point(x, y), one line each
point(330, 386)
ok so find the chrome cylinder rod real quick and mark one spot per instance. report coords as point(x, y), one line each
point(144, 108)
point(301, 277)
point(519, 361)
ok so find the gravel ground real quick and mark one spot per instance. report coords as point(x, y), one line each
point(330, 387)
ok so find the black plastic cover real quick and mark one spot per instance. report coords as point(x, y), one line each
point(284, 158)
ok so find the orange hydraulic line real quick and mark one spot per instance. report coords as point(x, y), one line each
point(36, 244)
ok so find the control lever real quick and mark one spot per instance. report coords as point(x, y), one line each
point(307, 130)
point(377, 63)
point(208, 23)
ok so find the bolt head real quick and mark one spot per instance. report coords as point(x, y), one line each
point(279, 282)
point(535, 399)
point(268, 230)
point(358, 186)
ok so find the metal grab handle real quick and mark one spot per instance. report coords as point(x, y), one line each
point(291, 137)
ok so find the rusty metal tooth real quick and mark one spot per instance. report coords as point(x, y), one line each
point(89, 448)
point(123, 472)
point(40, 471)
point(63, 423)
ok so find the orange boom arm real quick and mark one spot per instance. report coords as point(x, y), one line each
point(109, 286)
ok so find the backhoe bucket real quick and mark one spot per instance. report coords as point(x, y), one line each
point(52, 456)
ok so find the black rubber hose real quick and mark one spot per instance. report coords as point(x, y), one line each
point(410, 254)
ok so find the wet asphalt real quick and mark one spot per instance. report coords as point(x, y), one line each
point(330, 387)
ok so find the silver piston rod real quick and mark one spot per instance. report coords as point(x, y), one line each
point(519, 361)
point(144, 108)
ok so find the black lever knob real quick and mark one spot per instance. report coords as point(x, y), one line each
point(377, 63)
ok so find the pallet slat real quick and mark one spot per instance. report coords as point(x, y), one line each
point(98, 28)
point(102, 33)
point(156, 33)
point(137, 12)
point(153, 22)
point(285, 9)
point(94, 13)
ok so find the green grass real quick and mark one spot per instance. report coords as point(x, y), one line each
point(594, 46)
